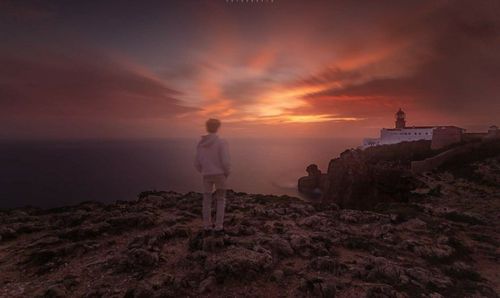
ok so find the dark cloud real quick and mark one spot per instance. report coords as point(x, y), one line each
point(457, 73)
point(26, 10)
point(328, 76)
point(181, 72)
point(45, 85)
point(246, 91)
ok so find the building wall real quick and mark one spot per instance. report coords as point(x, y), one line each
point(441, 136)
point(493, 132)
point(445, 136)
point(392, 136)
point(473, 136)
point(368, 142)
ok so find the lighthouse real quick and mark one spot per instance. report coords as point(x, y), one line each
point(400, 119)
point(445, 135)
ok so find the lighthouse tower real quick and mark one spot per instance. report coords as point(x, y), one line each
point(400, 119)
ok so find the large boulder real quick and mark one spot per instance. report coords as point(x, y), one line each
point(313, 183)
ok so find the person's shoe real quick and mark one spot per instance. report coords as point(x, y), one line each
point(219, 233)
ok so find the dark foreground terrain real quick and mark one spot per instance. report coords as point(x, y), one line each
point(443, 243)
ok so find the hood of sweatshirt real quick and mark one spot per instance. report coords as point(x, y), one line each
point(208, 140)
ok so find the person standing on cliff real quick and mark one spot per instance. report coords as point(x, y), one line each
point(213, 162)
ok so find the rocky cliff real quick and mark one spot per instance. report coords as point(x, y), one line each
point(362, 179)
point(442, 243)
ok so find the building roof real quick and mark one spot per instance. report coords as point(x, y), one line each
point(424, 127)
point(449, 126)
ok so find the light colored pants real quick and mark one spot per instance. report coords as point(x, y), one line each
point(209, 181)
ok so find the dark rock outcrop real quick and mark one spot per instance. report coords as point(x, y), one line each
point(312, 184)
point(360, 179)
point(357, 183)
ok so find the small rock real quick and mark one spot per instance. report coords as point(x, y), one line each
point(312, 221)
point(207, 285)
point(289, 271)
point(327, 264)
point(277, 275)
point(434, 252)
point(139, 292)
point(7, 233)
point(211, 244)
point(238, 263)
point(55, 291)
point(281, 247)
point(144, 257)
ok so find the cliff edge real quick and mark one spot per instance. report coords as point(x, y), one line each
point(362, 179)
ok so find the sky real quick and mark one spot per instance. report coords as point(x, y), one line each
point(266, 68)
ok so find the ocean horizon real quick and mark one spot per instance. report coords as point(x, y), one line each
point(64, 172)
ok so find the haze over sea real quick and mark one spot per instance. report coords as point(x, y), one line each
point(57, 173)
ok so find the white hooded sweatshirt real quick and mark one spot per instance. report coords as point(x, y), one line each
point(212, 156)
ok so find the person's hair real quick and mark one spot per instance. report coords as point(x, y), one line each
point(213, 125)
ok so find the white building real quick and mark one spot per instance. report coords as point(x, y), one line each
point(401, 133)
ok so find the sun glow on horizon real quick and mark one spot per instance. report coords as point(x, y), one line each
point(313, 118)
point(275, 107)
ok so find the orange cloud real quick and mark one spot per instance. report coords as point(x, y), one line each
point(334, 64)
point(44, 89)
point(263, 60)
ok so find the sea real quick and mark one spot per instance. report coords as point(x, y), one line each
point(49, 174)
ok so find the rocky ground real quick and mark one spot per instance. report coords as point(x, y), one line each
point(443, 243)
